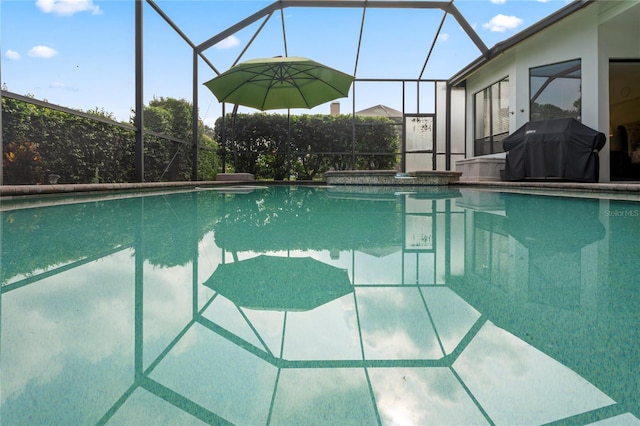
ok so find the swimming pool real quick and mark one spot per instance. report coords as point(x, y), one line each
point(321, 305)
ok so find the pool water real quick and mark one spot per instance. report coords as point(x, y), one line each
point(320, 305)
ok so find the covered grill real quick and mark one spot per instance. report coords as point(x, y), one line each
point(562, 148)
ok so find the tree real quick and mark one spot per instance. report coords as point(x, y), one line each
point(167, 160)
point(550, 111)
point(208, 160)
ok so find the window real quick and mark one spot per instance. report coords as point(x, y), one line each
point(491, 118)
point(556, 91)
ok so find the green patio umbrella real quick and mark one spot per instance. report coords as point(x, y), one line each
point(279, 83)
point(280, 283)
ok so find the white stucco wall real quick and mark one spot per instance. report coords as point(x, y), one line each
point(578, 36)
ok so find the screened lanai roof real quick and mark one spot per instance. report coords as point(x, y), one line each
point(371, 39)
point(375, 40)
point(442, 9)
point(388, 45)
point(414, 26)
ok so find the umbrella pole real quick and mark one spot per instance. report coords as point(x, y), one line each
point(234, 114)
point(288, 144)
point(224, 140)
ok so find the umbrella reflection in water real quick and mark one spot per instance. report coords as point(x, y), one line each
point(280, 283)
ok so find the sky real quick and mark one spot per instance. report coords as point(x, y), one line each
point(80, 53)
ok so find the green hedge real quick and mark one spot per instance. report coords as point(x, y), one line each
point(269, 145)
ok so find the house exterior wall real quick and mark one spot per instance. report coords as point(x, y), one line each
point(617, 40)
point(592, 35)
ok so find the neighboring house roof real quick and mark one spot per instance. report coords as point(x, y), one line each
point(504, 45)
point(380, 111)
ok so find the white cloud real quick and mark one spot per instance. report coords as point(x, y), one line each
point(501, 23)
point(63, 86)
point(12, 54)
point(228, 43)
point(443, 37)
point(499, 1)
point(42, 52)
point(67, 7)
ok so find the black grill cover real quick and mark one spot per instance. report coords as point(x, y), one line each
point(562, 148)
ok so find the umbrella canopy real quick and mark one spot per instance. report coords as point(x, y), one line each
point(280, 283)
point(279, 83)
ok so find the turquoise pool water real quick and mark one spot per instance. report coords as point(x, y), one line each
point(329, 306)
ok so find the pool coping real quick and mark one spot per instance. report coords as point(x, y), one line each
point(630, 187)
point(27, 191)
point(8, 192)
